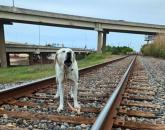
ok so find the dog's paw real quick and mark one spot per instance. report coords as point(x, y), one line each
point(56, 96)
point(71, 94)
point(77, 106)
point(60, 108)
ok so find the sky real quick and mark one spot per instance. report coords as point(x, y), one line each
point(144, 11)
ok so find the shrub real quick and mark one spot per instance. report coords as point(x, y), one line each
point(156, 48)
point(118, 50)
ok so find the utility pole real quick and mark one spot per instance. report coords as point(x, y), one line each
point(39, 35)
point(13, 3)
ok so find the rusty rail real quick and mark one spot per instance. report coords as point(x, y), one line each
point(105, 118)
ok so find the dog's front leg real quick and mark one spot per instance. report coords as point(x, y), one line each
point(57, 93)
point(61, 92)
point(76, 104)
point(71, 92)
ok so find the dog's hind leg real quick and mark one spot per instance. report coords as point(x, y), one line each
point(76, 104)
point(61, 92)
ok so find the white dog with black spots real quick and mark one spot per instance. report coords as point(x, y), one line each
point(66, 67)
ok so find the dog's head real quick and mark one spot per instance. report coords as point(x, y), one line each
point(65, 56)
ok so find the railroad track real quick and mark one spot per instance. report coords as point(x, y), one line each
point(33, 106)
point(133, 107)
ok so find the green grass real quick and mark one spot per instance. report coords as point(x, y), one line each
point(21, 73)
point(14, 74)
point(93, 59)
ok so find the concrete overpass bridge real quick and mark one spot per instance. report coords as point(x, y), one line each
point(42, 51)
point(12, 47)
point(102, 26)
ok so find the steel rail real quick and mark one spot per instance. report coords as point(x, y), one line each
point(21, 90)
point(105, 119)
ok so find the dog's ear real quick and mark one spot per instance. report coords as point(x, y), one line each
point(74, 57)
point(56, 59)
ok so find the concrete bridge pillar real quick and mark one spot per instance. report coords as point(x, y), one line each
point(8, 59)
point(2, 47)
point(43, 57)
point(31, 59)
point(104, 40)
point(99, 41)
